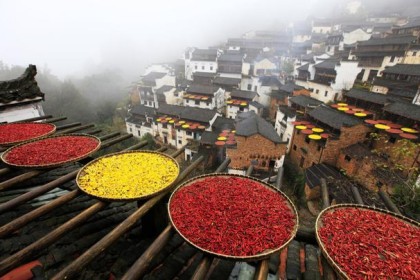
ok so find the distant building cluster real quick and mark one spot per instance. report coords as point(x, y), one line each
point(316, 91)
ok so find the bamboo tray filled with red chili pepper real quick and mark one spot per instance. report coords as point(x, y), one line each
point(51, 151)
point(363, 242)
point(233, 216)
point(15, 133)
point(128, 176)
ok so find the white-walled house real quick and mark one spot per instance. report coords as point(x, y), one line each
point(205, 97)
point(200, 60)
point(326, 80)
point(150, 83)
point(21, 98)
point(140, 121)
point(283, 124)
point(357, 35)
point(241, 101)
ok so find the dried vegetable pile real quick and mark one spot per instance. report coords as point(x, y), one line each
point(128, 175)
point(51, 151)
point(368, 244)
point(232, 216)
point(13, 133)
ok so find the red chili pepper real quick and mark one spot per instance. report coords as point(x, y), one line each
point(17, 132)
point(51, 150)
point(368, 244)
point(232, 216)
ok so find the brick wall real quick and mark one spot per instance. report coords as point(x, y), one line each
point(274, 103)
point(255, 147)
point(324, 151)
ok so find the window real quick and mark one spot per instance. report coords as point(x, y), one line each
point(138, 132)
point(302, 162)
point(392, 59)
point(197, 102)
point(347, 158)
point(255, 88)
point(211, 68)
point(249, 87)
point(195, 67)
point(414, 53)
point(326, 93)
point(131, 130)
point(241, 109)
point(189, 133)
point(294, 147)
point(202, 67)
point(179, 142)
point(307, 140)
point(164, 125)
point(317, 91)
point(392, 140)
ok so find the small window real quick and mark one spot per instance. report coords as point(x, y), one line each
point(249, 87)
point(326, 93)
point(392, 59)
point(317, 91)
point(179, 142)
point(189, 133)
point(164, 125)
point(255, 88)
point(414, 53)
point(211, 68)
point(294, 147)
point(202, 67)
point(131, 130)
point(347, 158)
point(392, 140)
point(197, 102)
point(307, 140)
point(288, 140)
point(138, 132)
point(196, 67)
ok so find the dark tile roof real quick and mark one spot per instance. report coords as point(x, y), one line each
point(403, 93)
point(315, 173)
point(202, 89)
point(378, 53)
point(305, 101)
point(188, 113)
point(143, 110)
point(152, 76)
point(223, 123)
point(404, 69)
point(172, 110)
point(368, 96)
point(333, 118)
point(230, 58)
point(279, 94)
point(256, 104)
point(270, 81)
point(208, 137)
point(163, 89)
point(327, 64)
point(226, 81)
point(248, 124)
point(401, 84)
point(290, 88)
point(391, 40)
point(23, 87)
point(204, 55)
point(407, 110)
point(304, 67)
point(204, 74)
point(411, 24)
point(243, 94)
point(357, 151)
point(290, 112)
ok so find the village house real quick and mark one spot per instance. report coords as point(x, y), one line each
point(377, 53)
point(242, 101)
point(411, 28)
point(280, 97)
point(203, 78)
point(21, 98)
point(321, 26)
point(257, 143)
point(284, 124)
point(339, 130)
point(150, 83)
point(140, 121)
point(200, 60)
point(327, 79)
point(205, 97)
point(401, 80)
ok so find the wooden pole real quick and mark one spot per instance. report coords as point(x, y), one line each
point(137, 270)
point(249, 170)
point(87, 257)
point(35, 248)
point(202, 268)
point(75, 129)
point(56, 119)
point(324, 193)
point(223, 165)
point(388, 202)
point(70, 125)
point(262, 270)
point(34, 119)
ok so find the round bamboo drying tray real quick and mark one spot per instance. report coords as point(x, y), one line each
point(255, 257)
point(318, 226)
point(7, 144)
point(82, 172)
point(55, 164)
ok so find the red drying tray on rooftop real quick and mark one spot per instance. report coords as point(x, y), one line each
point(15, 133)
point(233, 216)
point(52, 151)
point(408, 136)
point(347, 234)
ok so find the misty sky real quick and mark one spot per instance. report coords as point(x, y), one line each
point(79, 36)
